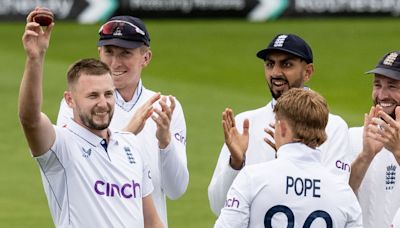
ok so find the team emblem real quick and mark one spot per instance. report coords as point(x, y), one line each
point(86, 153)
point(129, 155)
point(390, 176)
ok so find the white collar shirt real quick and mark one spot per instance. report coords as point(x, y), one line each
point(89, 186)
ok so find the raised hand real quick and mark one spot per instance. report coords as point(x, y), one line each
point(36, 38)
point(389, 132)
point(237, 143)
point(163, 121)
point(136, 124)
point(372, 142)
point(270, 140)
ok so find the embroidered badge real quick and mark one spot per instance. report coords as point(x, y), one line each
point(390, 176)
point(280, 40)
point(86, 153)
point(129, 155)
point(389, 60)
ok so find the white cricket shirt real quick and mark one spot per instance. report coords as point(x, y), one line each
point(396, 220)
point(334, 154)
point(379, 192)
point(87, 186)
point(170, 175)
point(295, 190)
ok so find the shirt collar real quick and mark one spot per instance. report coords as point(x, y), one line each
point(299, 151)
point(128, 105)
point(85, 134)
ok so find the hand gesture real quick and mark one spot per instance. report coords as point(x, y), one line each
point(36, 39)
point(389, 133)
point(270, 140)
point(163, 121)
point(372, 142)
point(140, 117)
point(237, 143)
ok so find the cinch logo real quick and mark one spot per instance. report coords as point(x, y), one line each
point(127, 190)
point(180, 138)
point(232, 203)
point(343, 166)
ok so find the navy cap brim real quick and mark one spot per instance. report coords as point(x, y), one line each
point(120, 43)
point(385, 72)
point(263, 53)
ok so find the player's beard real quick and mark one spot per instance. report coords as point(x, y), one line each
point(88, 120)
point(276, 93)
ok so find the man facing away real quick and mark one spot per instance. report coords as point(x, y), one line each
point(295, 190)
point(124, 45)
point(93, 176)
point(375, 171)
point(288, 64)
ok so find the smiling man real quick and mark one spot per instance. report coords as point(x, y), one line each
point(288, 63)
point(375, 171)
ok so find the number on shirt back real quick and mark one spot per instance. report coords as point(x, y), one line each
point(291, 218)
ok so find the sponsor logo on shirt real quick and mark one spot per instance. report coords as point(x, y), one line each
point(86, 153)
point(127, 190)
point(129, 155)
point(390, 176)
point(342, 165)
point(178, 136)
point(232, 202)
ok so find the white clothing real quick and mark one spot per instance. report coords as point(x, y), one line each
point(334, 151)
point(295, 184)
point(396, 220)
point(379, 192)
point(168, 166)
point(88, 186)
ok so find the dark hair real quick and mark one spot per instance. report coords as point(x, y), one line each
point(307, 113)
point(86, 66)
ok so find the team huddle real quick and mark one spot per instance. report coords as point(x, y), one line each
point(118, 150)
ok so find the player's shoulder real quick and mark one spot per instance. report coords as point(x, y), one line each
point(124, 135)
point(336, 120)
point(252, 114)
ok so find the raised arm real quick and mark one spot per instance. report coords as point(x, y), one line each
point(230, 161)
point(37, 127)
point(370, 148)
point(171, 134)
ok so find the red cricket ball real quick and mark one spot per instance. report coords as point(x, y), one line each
point(44, 17)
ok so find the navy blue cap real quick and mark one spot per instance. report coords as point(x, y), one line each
point(124, 31)
point(289, 43)
point(388, 66)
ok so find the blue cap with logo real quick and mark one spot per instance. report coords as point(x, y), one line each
point(124, 31)
point(388, 66)
point(289, 43)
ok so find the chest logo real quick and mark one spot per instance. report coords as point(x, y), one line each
point(390, 177)
point(86, 153)
point(129, 155)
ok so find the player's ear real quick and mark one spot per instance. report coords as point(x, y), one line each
point(309, 71)
point(99, 49)
point(68, 98)
point(147, 58)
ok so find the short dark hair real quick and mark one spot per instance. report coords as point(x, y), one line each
point(307, 113)
point(86, 66)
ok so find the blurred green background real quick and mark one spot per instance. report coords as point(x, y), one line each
point(208, 65)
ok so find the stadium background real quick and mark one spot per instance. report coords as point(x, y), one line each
point(208, 64)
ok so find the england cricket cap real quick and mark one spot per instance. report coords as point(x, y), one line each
point(289, 43)
point(124, 31)
point(388, 66)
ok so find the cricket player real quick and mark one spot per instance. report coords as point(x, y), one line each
point(92, 176)
point(295, 190)
point(124, 45)
point(288, 63)
point(375, 171)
